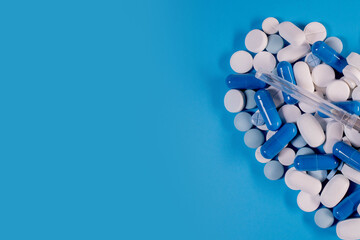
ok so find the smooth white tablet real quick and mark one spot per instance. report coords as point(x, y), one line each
point(293, 53)
point(314, 32)
point(355, 95)
point(259, 157)
point(304, 182)
point(303, 76)
point(306, 108)
point(334, 191)
point(308, 202)
point(291, 33)
point(334, 134)
point(350, 82)
point(270, 25)
point(264, 62)
point(289, 113)
point(348, 229)
point(322, 75)
point(335, 43)
point(351, 174)
point(286, 156)
point(352, 73)
point(276, 95)
point(286, 178)
point(311, 130)
point(353, 135)
point(234, 101)
point(256, 41)
point(354, 60)
point(338, 91)
point(241, 62)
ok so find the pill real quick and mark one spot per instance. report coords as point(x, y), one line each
point(322, 121)
point(303, 76)
point(267, 109)
point(275, 43)
point(286, 156)
point(277, 142)
point(242, 121)
point(270, 25)
point(323, 75)
point(256, 41)
point(352, 107)
point(264, 62)
point(346, 140)
point(301, 181)
point(263, 127)
point(241, 62)
point(319, 174)
point(286, 178)
point(329, 56)
point(269, 134)
point(324, 218)
point(314, 32)
point(358, 209)
point(276, 95)
point(259, 157)
point(257, 119)
point(254, 138)
point(347, 206)
point(306, 108)
point(352, 73)
point(312, 60)
point(338, 91)
point(291, 33)
point(298, 141)
point(289, 113)
point(353, 59)
point(284, 70)
point(293, 53)
point(335, 43)
point(304, 151)
point(250, 101)
point(347, 154)
point(311, 130)
point(355, 95)
point(273, 170)
point(308, 202)
point(244, 81)
point(351, 174)
point(348, 229)
point(234, 100)
point(350, 82)
point(334, 191)
point(353, 136)
point(334, 134)
point(315, 162)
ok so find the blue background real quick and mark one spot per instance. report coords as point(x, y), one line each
point(113, 125)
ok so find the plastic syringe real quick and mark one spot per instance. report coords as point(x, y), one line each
point(313, 100)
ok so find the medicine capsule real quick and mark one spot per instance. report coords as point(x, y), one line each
point(267, 109)
point(329, 56)
point(347, 206)
point(244, 81)
point(285, 70)
point(347, 154)
point(349, 106)
point(277, 142)
point(315, 162)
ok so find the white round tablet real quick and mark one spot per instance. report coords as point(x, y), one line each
point(308, 202)
point(322, 75)
point(256, 41)
point(286, 156)
point(352, 73)
point(314, 32)
point(241, 62)
point(264, 62)
point(350, 82)
point(234, 101)
point(259, 157)
point(335, 43)
point(338, 91)
point(289, 113)
point(270, 25)
point(355, 95)
point(354, 60)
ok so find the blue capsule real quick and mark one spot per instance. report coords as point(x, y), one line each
point(277, 142)
point(347, 206)
point(329, 56)
point(268, 109)
point(349, 106)
point(285, 70)
point(347, 154)
point(315, 162)
point(244, 81)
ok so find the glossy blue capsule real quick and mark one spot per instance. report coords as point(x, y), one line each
point(352, 107)
point(244, 81)
point(268, 109)
point(329, 56)
point(315, 162)
point(285, 70)
point(347, 206)
point(277, 142)
point(347, 154)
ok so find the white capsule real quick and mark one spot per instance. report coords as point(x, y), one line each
point(303, 76)
point(256, 41)
point(351, 174)
point(338, 91)
point(259, 157)
point(314, 32)
point(311, 130)
point(270, 25)
point(293, 53)
point(291, 33)
point(304, 182)
point(308, 202)
point(286, 156)
point(335, 43)
point(334, 191)
point(289, 113)
point(355, 95)
point(241, 62)
point(234, 101)
point(353, 135)
point(348, 229)
point(354, 60)
point(264, 62)
point(322, 75)
point(352, 73)
point(334, 134)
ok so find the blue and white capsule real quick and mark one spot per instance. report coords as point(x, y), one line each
point(329, 56)
point(285, 70)
point(268, 109)
point(347, 154)
point(352, 107)
point(315, 162)
point(244, 81)
point(347, 206)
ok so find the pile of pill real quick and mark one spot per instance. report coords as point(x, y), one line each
point(317, 156)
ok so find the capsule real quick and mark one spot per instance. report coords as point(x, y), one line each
point(285, 70)
point(267, 109)
point(347, 206)
point(244, 81)
point(349, 106)
point(347, 154)
point(329, 56)
point(277, 142)
point(315, 162)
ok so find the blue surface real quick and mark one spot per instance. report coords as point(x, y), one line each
point(113, 124)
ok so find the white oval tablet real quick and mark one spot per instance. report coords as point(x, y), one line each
point(306, 108)
point(334, 134)
point(256, 41)
point(352, 73)
point(259, 157)
point(286, 156)
point(234, 101)
point(276, 95)
point(291, 33)
point(303, 76)
point(353, 135)
point(286, 178)
point(355, 95)
point(308, 202)
point(314, 32)
point(241, 62)
point(311, 130)
point(354, 60)
point(304, 182)
point(289, 113)
point(348, 229)
point(335, 43)
point(322, 75)
point(293, 53)
point(338, 91)
point(351, 174)
point(270, 25)
point(264, 62)
point(334, 191)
